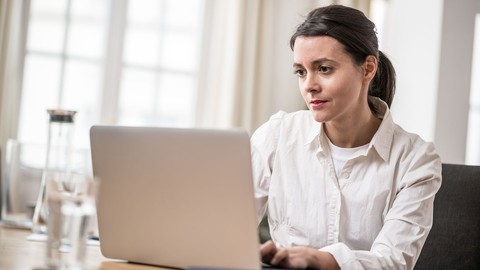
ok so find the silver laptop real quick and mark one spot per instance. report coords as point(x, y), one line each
point(175, 197)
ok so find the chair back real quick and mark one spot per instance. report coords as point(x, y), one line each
point(454, 241)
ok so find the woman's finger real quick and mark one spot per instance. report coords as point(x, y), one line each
point(267, 251)
point(280, 255)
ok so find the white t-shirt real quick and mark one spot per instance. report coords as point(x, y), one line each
point(340, 155)
point(375, 215)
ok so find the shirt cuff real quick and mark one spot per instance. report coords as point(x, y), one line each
point(343, 255)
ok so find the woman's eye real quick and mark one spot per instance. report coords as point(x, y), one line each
point(299, 72)
point(324, 69)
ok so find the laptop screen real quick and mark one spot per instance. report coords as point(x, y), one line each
point(175, 197)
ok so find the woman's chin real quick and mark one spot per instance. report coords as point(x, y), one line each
point(318, 116)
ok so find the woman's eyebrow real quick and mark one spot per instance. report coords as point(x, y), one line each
point(315, 62)
point(297, 65)
point(322, 60)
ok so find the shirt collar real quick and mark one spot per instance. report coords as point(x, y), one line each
point(381, 141)
point(314, 132)
point(316, 137)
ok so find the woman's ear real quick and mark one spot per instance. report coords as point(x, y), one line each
point(370, 68)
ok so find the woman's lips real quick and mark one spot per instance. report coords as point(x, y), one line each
point(317, 103)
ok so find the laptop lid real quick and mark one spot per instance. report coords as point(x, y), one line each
point(175, 197)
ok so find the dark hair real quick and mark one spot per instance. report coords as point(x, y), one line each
point(358, 35)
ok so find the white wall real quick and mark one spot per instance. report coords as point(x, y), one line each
point(430, 42)
point(455, 79)
point(412, 41)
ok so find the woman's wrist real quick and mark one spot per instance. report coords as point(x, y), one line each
point(323, 260)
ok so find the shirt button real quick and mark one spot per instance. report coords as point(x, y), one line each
point(346, 175)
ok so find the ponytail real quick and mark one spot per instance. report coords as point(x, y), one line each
point(383, 84)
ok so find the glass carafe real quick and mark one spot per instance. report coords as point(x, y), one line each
point(58, 160)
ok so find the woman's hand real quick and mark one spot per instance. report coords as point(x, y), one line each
point(297, 257)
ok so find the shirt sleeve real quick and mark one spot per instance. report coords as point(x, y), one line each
point(407, 223)
point(264, 143)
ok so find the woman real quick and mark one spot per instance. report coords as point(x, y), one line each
point(346, 188)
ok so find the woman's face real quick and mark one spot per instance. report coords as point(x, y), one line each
point(332, 85)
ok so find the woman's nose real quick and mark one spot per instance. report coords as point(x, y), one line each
point(311, 83)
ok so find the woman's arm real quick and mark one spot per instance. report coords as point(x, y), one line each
point(263, 146)
point(297, 257)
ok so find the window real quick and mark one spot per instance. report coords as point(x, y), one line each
point(114, 61)
point(473, 143)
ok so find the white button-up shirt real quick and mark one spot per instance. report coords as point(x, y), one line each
point(375, 215)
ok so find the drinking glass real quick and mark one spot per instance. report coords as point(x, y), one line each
point(22, 172)
point(71, 210)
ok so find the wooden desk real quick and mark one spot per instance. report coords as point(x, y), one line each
point(18, 253)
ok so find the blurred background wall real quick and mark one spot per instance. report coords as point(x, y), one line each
point(223, 64)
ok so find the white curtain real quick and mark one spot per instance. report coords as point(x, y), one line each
point(230, 66)
point(11, 66)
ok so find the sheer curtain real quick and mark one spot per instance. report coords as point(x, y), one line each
point(232, 52)
point(12, 20)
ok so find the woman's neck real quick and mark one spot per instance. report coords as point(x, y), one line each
point(353, 132)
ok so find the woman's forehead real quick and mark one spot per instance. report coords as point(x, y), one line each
point(311, 48)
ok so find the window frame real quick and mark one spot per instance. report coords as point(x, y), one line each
point(112, 64)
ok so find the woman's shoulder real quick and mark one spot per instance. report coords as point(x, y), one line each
point(394, 143)
point(412, 148)
point(408, 138)
point(399, 138)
